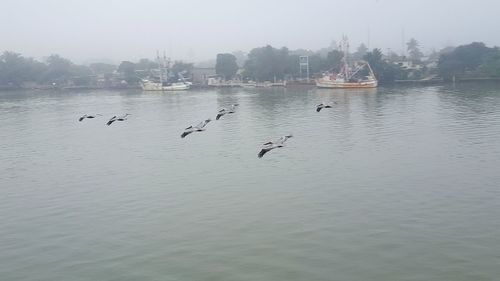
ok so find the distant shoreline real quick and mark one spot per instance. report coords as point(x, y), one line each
point(290, 85)
point(440, 81)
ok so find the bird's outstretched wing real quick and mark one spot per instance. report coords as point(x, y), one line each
point(219, 115)
point(318, 109)
point(113, 119)
point(205, 123)
point(81, 118)
point(186, 133)
point(266, 148)
point(262, 152)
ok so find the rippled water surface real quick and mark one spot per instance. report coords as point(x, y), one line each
point(389, 184)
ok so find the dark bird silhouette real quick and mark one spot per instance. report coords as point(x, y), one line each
point(198, 128)
point(268, 146)
point(320, 106)
point(119, 118)
point(223, 111)
point(90, 116)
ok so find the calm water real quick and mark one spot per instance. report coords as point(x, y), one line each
point(390, 184)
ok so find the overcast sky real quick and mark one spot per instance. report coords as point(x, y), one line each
point(197, 30)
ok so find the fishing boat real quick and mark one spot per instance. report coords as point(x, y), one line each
point(163, 79)
point(359, 75)
point(148, 85)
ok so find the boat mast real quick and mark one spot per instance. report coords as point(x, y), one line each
point(160, 67)
point(344, 47)
point(166, 64)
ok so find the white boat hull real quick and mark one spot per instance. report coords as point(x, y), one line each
point(152, 86)
point(320, 83)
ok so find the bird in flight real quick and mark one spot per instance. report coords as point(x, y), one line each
point(223, 111)
point(320, 106)
point(117, 118)
point(268, 146)
point(90, 116)
point(198, 128)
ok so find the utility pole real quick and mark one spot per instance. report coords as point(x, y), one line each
point(403, 42)
point(304, 65)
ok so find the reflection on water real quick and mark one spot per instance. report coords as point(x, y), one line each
point(389, 184)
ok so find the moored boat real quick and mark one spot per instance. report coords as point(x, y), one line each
point(360, 75)
point(148, 85)
point(165, 79)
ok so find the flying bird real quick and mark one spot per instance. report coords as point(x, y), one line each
point(198, 128)
point(90, 116)
point(320, 106)
point(117, 118)
point(268, 146)
point(223, 111)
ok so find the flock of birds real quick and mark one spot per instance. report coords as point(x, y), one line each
point(266, 147)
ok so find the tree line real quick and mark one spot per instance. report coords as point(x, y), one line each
point(472, 60)
point(268, 63)
point(16, 70)
point(264, 64)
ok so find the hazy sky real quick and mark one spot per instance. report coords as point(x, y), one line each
point(196, 30)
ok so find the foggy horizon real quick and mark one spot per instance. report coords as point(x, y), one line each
point(195, 31)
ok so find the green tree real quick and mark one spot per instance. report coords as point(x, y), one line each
point(449, 66)
point(334, 60)
point(15, 69)
point(280, 64)
point(292, 66)
point(463, 59)
point(360, 52)
point(266, 63)
point(58, 70)
point(226, 65)
point(316, 64)
point(181, 68)
point(127, 70)
point(374, 58)
point(491, 64)
point(384, 71)
point(413, 50)
point(259, 63)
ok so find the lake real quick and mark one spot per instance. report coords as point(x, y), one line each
point(396, 183)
